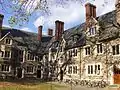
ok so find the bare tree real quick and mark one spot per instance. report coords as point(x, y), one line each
point(21, 10)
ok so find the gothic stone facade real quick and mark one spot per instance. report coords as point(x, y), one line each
point(89, 51)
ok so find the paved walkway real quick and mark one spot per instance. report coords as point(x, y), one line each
point(78, 87)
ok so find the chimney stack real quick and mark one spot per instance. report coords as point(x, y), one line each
point(1, 22)
point(59, 29)
point(117, 6)
point(39, 37)
point(90, 12)
point(50, 32)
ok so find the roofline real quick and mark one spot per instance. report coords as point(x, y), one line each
point(6, 28)
point(4, 36)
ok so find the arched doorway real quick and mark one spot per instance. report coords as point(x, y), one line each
point(61, 75)
point(19, 72)
point(39, 72)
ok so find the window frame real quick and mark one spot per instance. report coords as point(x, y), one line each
point(87, 50)
point(8, 41)
point(76, 52)
point(92, 31)
point(99, 48)
point(95, 70)
point(116, 49)
point(4, 67)
point(30, 66)
point(2, 54)
point(75, 68)
point(69, 69)
point(29, 56)
point(8, 53)
point(21, 55)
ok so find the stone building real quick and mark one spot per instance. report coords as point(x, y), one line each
point(88, 52)
point(21, 53)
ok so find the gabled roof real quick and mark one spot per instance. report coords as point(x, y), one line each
point(28, 39)
point(75, 36)
point(107, 31)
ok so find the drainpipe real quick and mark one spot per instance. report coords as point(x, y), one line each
point(80, 62)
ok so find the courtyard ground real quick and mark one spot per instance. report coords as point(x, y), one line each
point(29, 86)
point(4, 85)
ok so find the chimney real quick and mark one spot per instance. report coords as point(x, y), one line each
point(50, 32)
point(117, 6)
point(1, 22)
point(39, 37)
point(90, 12)
point(59, 28)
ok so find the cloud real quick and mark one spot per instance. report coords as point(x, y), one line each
point(39, 21)
point(73, 14)
point(104, 6)
point(68, 15)
point(6, 26)
point(26, 29)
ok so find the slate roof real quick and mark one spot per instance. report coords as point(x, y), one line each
point(109, 30)
point(75, 36)
point(29, 40)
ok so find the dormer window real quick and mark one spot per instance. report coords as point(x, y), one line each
point(30, 57)
point(92, 31)
point(8, 41)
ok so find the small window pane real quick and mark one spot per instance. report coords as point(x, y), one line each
point(92, 31)
point(5, 68)
point(91, 69)
point(7, 41)
point(99, 48)
point(88, 69)
point(98, 67)
point(95, 69)
point(75, 69)
point(29, 69)
point(7, 54)
point(113, 49)
point(70, 69)
point(87, 50)
point(117, 49)
point(2, 54)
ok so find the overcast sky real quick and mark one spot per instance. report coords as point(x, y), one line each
point(72, 15)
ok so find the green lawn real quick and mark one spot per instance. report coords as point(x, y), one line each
point(40, 86)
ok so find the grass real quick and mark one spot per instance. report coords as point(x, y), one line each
point(40, 86)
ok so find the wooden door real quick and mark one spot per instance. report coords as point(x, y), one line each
point(116, 75)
